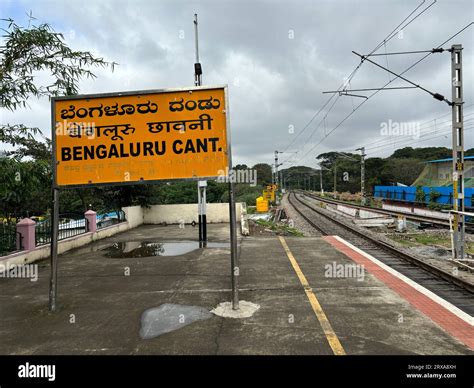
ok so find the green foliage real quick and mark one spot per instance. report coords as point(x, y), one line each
point(26, 51)
point(300, 177)
point(434, 195)
point(419, 194)
point(264, 173)
point(25, 177)
point(24, 187)
point(402, 170)
point(424, 153)
point(244, 193)
point(280, 229)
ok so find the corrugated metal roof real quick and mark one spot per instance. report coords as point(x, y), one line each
point(448, 159)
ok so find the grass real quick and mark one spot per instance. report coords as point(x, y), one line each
point(280, 229)
point(417, 239)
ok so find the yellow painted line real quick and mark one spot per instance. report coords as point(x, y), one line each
point(323, 320)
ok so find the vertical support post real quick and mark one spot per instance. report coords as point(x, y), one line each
point(26, 230)
point(335, 178)
point(321, 180)
point(276, 167)
point(234, 258)
point(202, 212)
point(91, 221)
point(53, 280)
point(202, 219)
point(204, 216)
point(458, 150)
point(197, 64)
point(362, 174)
point(199, 212)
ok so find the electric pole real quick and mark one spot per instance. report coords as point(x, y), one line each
point(202, 218)
point(459, 241)
point(197, 64)
point(458, 151)
point(321, 180)
point(277, 165)
point(362, 173)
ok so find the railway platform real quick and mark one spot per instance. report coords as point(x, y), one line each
point(317, 295)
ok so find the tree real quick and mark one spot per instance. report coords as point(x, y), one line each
point(264, 173)
point(25, 178)
point(402, 170)
point(424, 153)
point(28, 51)
point(22, 188)
point(37, 48)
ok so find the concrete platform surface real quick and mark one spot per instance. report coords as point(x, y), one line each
point(101, 301)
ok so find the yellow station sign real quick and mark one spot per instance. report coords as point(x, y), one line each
point(144, 136)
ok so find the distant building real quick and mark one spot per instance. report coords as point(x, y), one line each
point(438, 173)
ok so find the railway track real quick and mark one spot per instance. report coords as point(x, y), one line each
point(447, 286)
point(415, 217)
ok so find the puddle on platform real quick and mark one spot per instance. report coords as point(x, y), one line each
point(169, 317)
point(131, 249)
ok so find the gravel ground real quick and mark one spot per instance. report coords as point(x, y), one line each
point(299, 222)
point(427, 255)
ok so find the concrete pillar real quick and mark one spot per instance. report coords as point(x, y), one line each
point(91, 221)
point(26, 229)
point(401, 223)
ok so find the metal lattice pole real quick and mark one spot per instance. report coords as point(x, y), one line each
point(458, 150)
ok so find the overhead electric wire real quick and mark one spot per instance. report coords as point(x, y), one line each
point(415, 142)
point(430, 138)
point(422, 124)
point(436, 123)
point(352, 74)
point(408, 141)
point(373, 94)
point(391, 141)
point(388, 138)
point(433, 94)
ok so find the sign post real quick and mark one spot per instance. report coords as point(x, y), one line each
point(137, 138)
point(53, 281)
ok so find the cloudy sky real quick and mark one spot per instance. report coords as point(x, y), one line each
point(277, 58)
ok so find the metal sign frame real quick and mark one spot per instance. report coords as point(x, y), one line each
point(56, 188)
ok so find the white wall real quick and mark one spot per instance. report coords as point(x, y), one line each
point(347, 210)
point(134, 215)
point(187, 213)
point(415, 210)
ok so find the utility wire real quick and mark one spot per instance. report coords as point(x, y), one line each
point(422, 124)
point(352, 74)
point(415, 142)
point(377, 91)
point(408, 141)
point(434, 95)
point(392, 141)
point(427, 139)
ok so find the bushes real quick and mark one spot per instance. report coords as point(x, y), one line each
point(420, 194)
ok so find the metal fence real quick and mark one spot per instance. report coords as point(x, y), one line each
point(107, 218)
point(439, 195)
point(70, 224)
point(8, 239)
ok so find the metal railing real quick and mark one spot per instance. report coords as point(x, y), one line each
point(8, 239)
point(107, 218)
point(70, 225)
point(411, 197)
